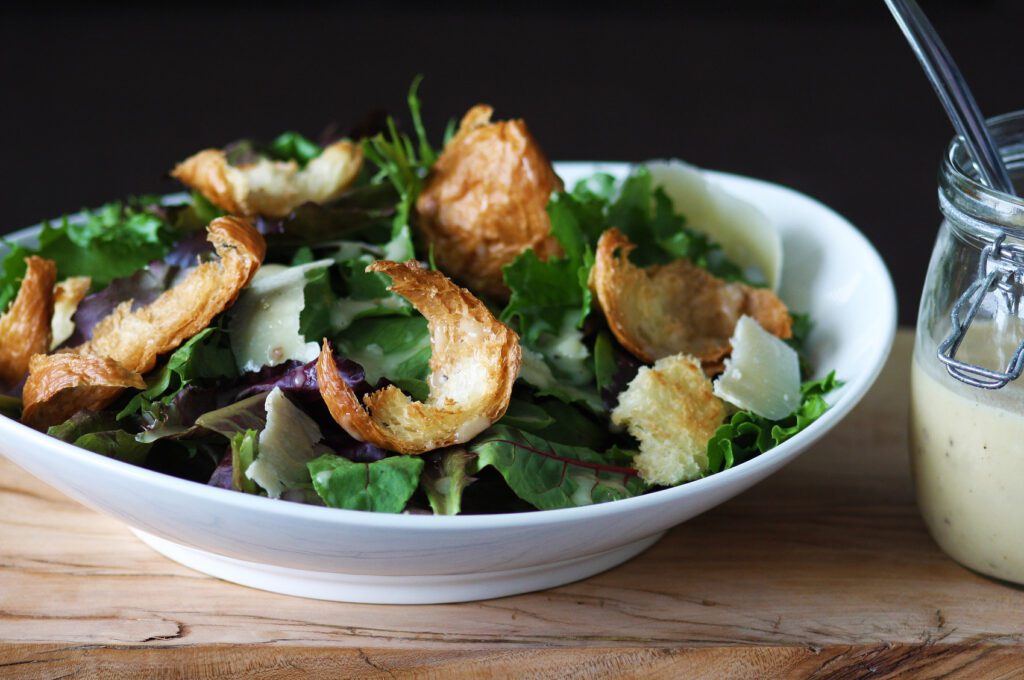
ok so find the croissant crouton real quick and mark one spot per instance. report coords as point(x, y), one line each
point(66, 296)
point(72, 382)
point(133, 340)
point(25, 327)
point(268, 187)
point(678, 307)
point(485, 199)
point(474, 363)
point(671, 410)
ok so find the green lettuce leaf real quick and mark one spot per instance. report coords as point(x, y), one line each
point(12, 271)
point(319, 299)
point(443, 481)
point(802, 325)
point(107, 243)
point(746, 435)
point(245, 447)
point(550, 299)
point(288, 146)
point(382, 486)
point(549, 302)
point(100, 433)
point(526, 415)
point(645, 214)
point(392, 347)
point(402, 161)
point(545, 294)
point(82, 423)
point(10, 406)
point(549, 475)
point(292, 146)
point(556, 421)
point(366, 293)
point(117, 444)
point(205, 356)
point(536, 372)
point(604, 362)
point(202, 212)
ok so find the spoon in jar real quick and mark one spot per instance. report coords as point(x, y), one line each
point(953, 92)
point(970, 125)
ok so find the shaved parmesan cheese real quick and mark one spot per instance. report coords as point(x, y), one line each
point(287, 443)
point(746, 235)
point(763, 373)
point(264, 324)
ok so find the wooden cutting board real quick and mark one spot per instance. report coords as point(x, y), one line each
point(824, 570)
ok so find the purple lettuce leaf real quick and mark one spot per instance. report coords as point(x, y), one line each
point(177, 418)
point(300, 382)
point(142, 287)
point(222, 474)
point(12, 391)
point(358, 452)
point(291, 376)
point(188, 251)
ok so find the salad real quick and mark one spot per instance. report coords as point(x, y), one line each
point(376, 323)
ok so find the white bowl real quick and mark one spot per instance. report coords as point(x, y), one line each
point(831, 271)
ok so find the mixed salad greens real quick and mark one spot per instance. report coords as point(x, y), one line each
point(240, 404)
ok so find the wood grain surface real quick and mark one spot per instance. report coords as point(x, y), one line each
point(825, 570)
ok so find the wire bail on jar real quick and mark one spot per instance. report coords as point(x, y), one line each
point(1000, 271)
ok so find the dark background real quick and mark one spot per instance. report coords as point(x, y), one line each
point(821, 96)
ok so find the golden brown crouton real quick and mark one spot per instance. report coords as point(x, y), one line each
point(268, 187)
point(71, 382)
point(485, 201)
point(672, 412)
point(662, 310)
point(474, 363)
point(132, 340)
point(25, 327)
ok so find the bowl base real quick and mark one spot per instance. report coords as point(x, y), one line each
point(366, 588)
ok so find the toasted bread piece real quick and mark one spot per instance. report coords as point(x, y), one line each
point(268, 187)
point(678, 307)
point(71, 382)
point(136, 338)
point(485, 201)
point(132, 340)
point(475, 361)
point(66, 296)
point(25, 327)
point(671, 410)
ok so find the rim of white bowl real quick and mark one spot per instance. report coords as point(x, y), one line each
point(852, 391)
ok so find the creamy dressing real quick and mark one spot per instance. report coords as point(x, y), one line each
point(967, 454)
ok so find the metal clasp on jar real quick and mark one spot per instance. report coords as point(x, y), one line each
point(1000, 271)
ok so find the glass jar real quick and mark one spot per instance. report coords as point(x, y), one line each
point(967, 405)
